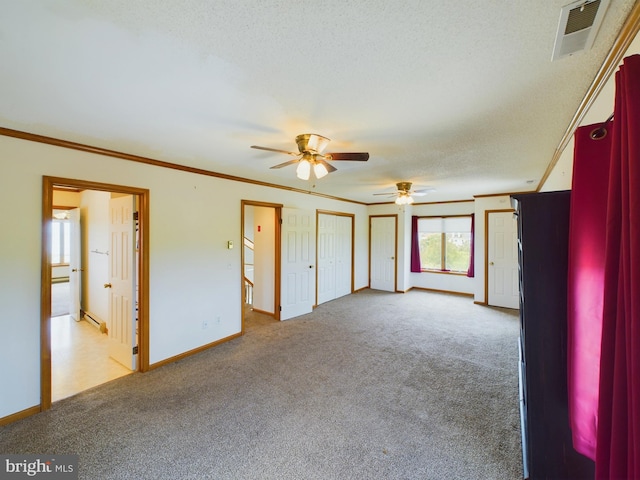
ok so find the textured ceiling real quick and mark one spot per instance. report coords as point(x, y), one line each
point(459, 96)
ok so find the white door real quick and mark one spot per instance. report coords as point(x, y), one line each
point(298, 257)
point(502, 248)
point(343, 255)
point(383, 253)
point(75, 264)
point(326, 257)
point(122, 299)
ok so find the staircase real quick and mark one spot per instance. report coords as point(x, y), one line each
point(248, 271)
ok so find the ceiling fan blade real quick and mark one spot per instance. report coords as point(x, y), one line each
point(422, 191)
point(274, 150)
point(354, 157)
point(387, 194)
point(330, 168)
point(285, 164)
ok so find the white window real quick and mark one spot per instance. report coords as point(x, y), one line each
point(60, 240)
point(445, 243)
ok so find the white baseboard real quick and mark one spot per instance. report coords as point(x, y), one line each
point(95, 321)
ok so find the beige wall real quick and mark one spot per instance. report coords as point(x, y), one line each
point(192, 273)
point(66, 199)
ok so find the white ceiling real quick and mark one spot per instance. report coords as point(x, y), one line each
point(460, 96)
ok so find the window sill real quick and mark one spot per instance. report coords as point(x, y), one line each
point(445, 272)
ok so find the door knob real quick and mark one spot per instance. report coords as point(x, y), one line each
point(107, 285)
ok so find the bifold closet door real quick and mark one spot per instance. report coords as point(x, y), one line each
point(334, 256)
point(344, 244)
point(326, 257)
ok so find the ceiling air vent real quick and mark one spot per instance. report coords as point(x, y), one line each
point(578, 27)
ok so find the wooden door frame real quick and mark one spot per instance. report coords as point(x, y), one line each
point(486, 249)
point(276, 254)
point(353, 232)
point(395, 253)
point(48, 183)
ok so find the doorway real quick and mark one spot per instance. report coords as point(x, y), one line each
point(62, 334)
point(81, 356)
point(260, 258)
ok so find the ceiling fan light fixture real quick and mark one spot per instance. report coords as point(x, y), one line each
point(304, 169)
point(404, 199)
point(311, 142)
point(320, 170)
point(61, 215)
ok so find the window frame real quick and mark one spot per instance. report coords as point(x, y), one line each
point(62, 237)
point(443, 245)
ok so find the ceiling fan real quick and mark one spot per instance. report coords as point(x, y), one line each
point(404, 195)
point(310, 148)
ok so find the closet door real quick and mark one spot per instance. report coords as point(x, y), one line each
point(382, 251)
point(335, 247)
point(326, 257)
point(343, 255)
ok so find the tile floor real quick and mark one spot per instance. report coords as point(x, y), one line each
point(79, 358)
point(80, 354)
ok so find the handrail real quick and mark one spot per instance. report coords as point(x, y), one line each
point(248, 243)
point(248, 281)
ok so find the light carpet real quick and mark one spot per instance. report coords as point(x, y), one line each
point(374, 385)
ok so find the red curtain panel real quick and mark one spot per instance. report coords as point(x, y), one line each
point(585, 281)
point(618, 429)
point(416, 264)
point(471, 270)
point(604, 286)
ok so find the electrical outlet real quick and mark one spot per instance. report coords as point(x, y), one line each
point(205, 324)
